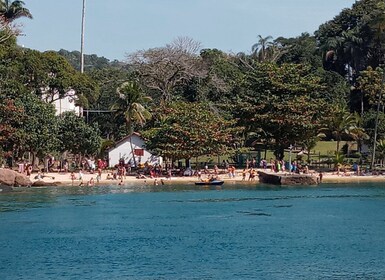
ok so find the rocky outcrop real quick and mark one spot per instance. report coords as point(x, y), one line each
point(41, 183)
point(287, 179)
point(12, 178)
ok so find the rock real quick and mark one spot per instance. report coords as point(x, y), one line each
point(12, 178)
point(7, 177)
point(22, 180)
point(40, 183)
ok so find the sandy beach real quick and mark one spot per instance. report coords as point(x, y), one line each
point(64, 179)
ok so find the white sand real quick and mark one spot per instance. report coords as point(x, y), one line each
point(64, 179)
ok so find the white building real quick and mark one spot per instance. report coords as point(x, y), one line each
point(122, 150)
point(67, 103)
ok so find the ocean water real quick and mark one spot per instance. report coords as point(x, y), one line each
point(181, 232)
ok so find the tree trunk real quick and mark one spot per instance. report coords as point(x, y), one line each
point(132, 151)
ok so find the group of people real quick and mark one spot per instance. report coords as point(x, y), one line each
point(252, 173)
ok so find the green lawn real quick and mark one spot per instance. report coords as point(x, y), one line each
point(323, 150)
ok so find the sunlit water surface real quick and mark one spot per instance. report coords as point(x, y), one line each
point(233, 232)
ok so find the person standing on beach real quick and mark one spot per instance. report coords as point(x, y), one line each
point(72, 178)
point(99, 175)
point(80, 175)
point(233, 171)
point(244, 174)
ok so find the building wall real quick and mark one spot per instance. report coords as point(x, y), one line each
point(123, 151)
point(65, 104)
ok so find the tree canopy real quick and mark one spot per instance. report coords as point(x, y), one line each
point(203, 101)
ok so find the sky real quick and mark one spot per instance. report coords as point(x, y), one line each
point(116, 28)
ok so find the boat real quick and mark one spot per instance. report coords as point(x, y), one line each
point(210, 183)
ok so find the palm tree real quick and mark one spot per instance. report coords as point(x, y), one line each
point(13, 10)
point(381, 151)
point(342, 123)
point(259, 49)
point(130, 103)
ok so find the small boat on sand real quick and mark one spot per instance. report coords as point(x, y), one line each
point(210, 183)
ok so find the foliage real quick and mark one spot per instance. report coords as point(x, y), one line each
point(285, 92)
point(342, 123)
point(8, 30)
point(39, 131)
point(163, 69)
point(353, 40)
point(47, 75)
point(369, 120)
point(184, 130)
point(78, 137)
point(380, 150)
point(108, 80)
point(370, 83)
point(300, 50)
point(259, 49)
point(222, 79)
point(10, 118)
point(12, 10)
point(283, 102)
point(91, 62)
point(129, 103)
point(339, 159)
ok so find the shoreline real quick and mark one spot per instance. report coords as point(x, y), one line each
point(64, 179)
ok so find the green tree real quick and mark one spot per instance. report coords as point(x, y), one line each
point(108, 80)
point(341, 123)
point(259, 49)
point(78, 137)
point(369, 123)
point(130, 103)
point(91, 61)
point(354, 40)
point(12, 10)
point(285, 102)
point(47, 75)
point(11, 118)
point(39, 131)
point(380, 151)
point(301, 49)
point(185, 130)
point(370, 84)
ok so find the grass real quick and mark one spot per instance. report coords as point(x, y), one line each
point(323, 150)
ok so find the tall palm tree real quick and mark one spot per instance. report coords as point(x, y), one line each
point(12, 10)
point(259, 49)
point(130, 103)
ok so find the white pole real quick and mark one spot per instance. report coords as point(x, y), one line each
point(82, 38)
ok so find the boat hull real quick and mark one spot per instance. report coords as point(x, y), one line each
point(212, 183)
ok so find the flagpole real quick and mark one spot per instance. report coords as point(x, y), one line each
point(82, 38)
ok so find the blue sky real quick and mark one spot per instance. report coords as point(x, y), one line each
point(117, 27)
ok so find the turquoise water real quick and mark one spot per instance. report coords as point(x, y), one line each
point(328, 232)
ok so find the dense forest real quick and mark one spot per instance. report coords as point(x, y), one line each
point(189, 102)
